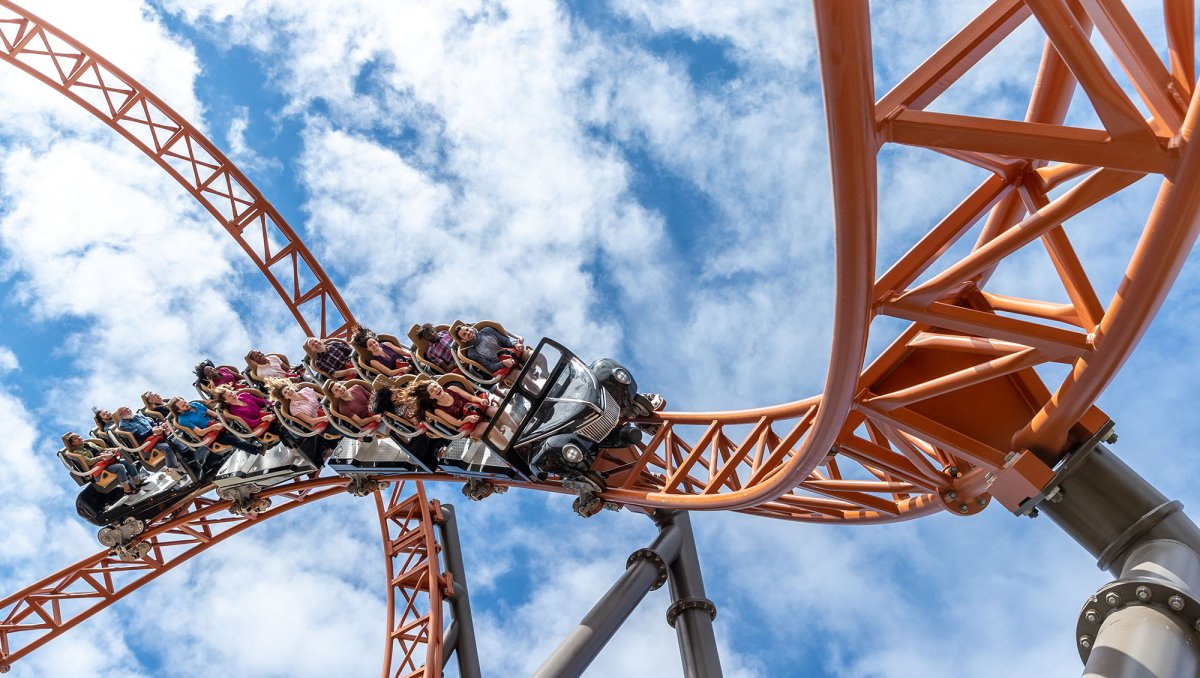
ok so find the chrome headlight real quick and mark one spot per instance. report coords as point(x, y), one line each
point(572, 453)
point(622, 375)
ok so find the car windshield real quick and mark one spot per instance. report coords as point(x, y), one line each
point(571, 395)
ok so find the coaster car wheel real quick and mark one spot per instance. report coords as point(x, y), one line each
point(109, 536)
point(587, 504)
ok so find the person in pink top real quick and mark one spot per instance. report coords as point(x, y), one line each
point(302, 401)
point(246, 405)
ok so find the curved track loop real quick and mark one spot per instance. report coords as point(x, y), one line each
point(42, 611)
point(45, 610)
point(416, 583)
point(88, 79)
point(927, 423)
point(938, 414)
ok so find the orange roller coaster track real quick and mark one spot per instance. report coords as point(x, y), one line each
point(954, 409)
point(45, 610)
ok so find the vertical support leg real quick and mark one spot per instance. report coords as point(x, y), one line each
point(463, 627)
point(646, 571)
point(691, 613)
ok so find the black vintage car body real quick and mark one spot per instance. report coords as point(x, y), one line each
point(560, 412)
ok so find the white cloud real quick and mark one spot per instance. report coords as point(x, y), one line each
point(480, 159)
point(8, 360)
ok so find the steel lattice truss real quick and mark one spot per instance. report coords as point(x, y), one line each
point(953, 404)
point(416, 582)
point(45, 610)
point(196, 163)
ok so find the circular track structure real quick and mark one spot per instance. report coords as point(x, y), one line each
point(416, 581)
point(954, 403)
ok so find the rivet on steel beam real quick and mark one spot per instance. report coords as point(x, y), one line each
point(952, 495)
point(963, 508)
point(1142, 592)
point(1197, 625)
point(1085, 641)
point(1093, 616)
point(1176, 602)
point(1112, 598)
point(982, 501)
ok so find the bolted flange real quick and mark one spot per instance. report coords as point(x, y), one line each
point(1122, 593)
point(652, 556)
point(684, 604)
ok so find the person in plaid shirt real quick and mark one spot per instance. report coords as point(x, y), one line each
point(440, 350)
point(330, 357)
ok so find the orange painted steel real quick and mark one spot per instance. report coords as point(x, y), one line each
point(45, 610)
point(908, 420)
point(102, 89)
point(926, 424)
point(416, 583)
point(134, 112)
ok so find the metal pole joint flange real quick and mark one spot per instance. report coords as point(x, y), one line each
point(654, 557)
point(1122, 593)
point(684, 604)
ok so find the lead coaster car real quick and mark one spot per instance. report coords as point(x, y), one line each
point(560, 413)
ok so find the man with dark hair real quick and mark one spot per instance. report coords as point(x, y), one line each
point(330, 357)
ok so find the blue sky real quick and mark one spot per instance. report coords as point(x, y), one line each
point(640, 180)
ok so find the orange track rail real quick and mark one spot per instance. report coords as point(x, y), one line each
point(42, 612)
point(954, 401)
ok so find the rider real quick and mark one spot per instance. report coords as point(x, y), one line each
point(99, 459)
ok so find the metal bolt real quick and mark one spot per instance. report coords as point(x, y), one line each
point(1197, 625)
point(1085, 641)
point(1112, 598)
point(963, 508)
point(1142, 592)
point(952, 495)
point(1112, 438)
point(1176, 602)
point(1034, 513)
point(953, 470)
point(982, 501)
point(1093, 616)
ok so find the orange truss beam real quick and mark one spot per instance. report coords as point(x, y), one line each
point(41, 612)
point(45, 610)
point(945, 406)
point(415, 583)
point(134, 112)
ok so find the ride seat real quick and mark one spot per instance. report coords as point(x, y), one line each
point(238, 426)
point(105, 481)
point(399, 422)
point(150, 456)
point(420, 349)
point(438, 428)
point(294, 425)
point(475, 371)
point(188, 436)
point(339, 421)
point(362, 357)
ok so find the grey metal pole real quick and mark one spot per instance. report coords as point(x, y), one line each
point(449, 640)
point(646, 571)
point(463, 626)
point(1150, 637)
point(1144, 623)
point(691, 613)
